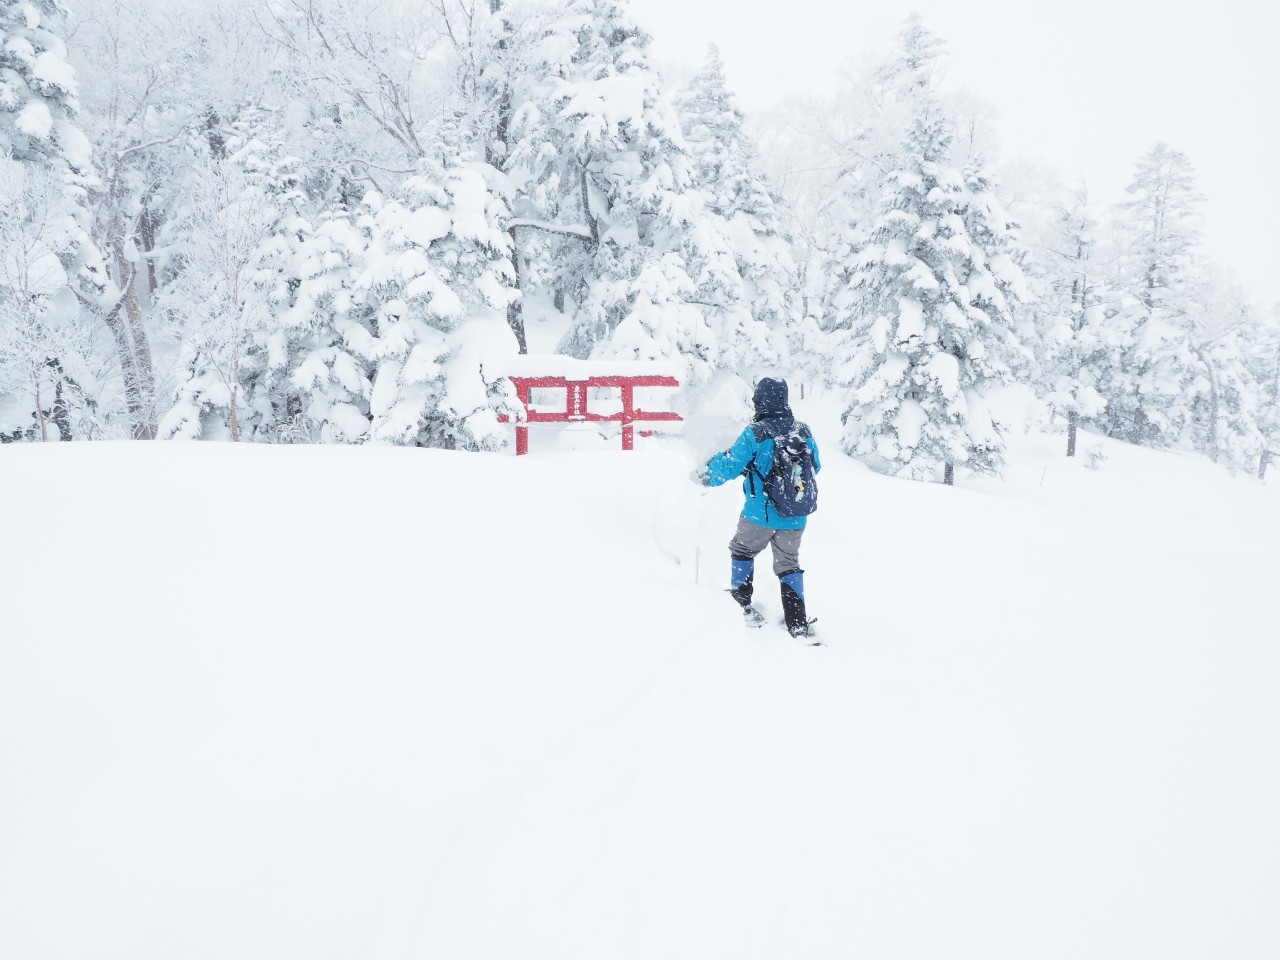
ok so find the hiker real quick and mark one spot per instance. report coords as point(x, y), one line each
point(777, 458)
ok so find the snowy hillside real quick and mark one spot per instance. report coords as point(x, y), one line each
point(268, 702)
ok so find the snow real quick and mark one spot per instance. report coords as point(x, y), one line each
point(52, 69)
point(909, 423)
point(470, 200)
point(558, 365)
point(286, 718)
point(945, 370)
point(910, 319)
point(35, 120)
point(617, 99)
point(426, 225)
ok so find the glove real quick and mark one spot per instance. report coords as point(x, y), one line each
point(699, 476)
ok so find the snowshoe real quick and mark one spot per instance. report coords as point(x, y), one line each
point(752, 617)
point(805, 632)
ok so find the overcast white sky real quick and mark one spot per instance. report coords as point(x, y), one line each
point(1087, 86)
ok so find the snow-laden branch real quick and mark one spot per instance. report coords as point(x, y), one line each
point(568, 230)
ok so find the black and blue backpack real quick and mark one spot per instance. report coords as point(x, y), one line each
point(791, 482)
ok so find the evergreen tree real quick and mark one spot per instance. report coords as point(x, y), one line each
point(239, 229)
point(1147, 387)
point(38, 99)
point(39, 337)
point(47, 172)
point(740, 203)
point(1264, 364)
point(922, 316)
point(1226, 420)
point(327, 326)
point(438, 269)
point(1080, 338)
point(603, 186)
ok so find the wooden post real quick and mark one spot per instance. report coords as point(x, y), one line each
point(628, 412)
point(522, 431)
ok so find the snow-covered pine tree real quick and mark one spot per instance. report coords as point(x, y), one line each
point(754, 317)
point(1226, 398)
point(1264, 364)
point(239, 232)
point(922, 316)
point(438, 268)
point(1079, 337)
point(1146, 388)
point(38, 332)
point(48, 170)
point(38, 99)
point(888, 100)
point(603, 189)
point(327, 332)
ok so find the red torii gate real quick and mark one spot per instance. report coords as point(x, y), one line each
point(576, 381)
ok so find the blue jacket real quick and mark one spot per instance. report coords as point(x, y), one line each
point(733, 462)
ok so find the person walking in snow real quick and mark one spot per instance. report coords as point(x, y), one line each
point(777, 458)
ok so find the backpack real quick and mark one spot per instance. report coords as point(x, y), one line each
point(791, 483)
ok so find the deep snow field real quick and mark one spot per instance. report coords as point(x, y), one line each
point(361, 702)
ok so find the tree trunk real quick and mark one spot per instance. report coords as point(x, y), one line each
point(126, 326)
point(949, 474)
point(44, 426)
point(1213, 419)
point(1262, 464)
point(1072, 420)
point(515, 309)
point(61, 413)
point(145, 428)
point(586, 210)
point(124, 352)
point(1212, 437)
point(235, 389)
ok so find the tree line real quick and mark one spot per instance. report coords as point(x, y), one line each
point(324, 221)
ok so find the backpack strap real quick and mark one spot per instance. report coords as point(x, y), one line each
point(761, 434)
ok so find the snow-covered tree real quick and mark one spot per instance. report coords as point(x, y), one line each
point(161, 83)
point(1079, 342)
point(325, 333)
point(48, 254)
point(1264, 364)
point(1147, 387)
point(922, 315)
point(740, 203)
point(43, 342)
point(38, 98)
point(1226, 400)
point(603, 192)
point(438, 268)
point(236, 233)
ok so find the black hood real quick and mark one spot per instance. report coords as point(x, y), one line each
point(770, 400)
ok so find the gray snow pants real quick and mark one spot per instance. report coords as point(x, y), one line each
point(750, 538)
